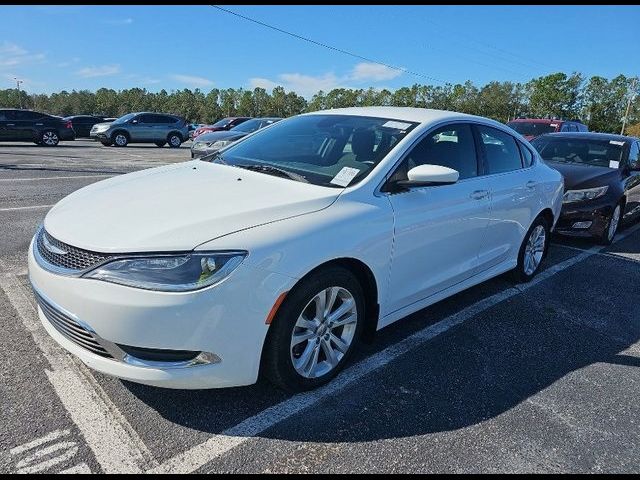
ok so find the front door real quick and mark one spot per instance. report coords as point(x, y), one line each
point(439, 229)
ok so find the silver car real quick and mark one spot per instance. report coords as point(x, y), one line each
point(143, 127)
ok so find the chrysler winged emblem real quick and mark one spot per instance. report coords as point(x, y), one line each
point(52, 248)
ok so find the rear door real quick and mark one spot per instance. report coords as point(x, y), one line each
point(28, 125)
point(510, 174)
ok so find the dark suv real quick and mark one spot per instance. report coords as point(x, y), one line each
point(82, 124)
point(29, 126)
point(530, 128)
point(143, 127)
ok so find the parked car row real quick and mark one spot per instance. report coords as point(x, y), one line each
point(210, 142)
point(29, 126)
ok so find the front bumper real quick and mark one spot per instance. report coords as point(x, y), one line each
point(99, 136)
point(595, 213)
point(227, 320)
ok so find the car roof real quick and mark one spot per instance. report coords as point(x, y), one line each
point(590, 136)
point(408, 114)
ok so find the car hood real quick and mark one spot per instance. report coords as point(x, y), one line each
point(178, 207)
point(577, 177)
point(220, 135)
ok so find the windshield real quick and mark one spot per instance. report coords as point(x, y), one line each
point(248, 127)
point(125, 118)
point(328, 150)
point(533, 128)
point(599, 153)
point(222, 123)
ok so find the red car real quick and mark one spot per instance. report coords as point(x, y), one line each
point(530, 128)
point(224, 124)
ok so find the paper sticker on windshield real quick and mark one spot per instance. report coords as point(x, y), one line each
point(615, 142)
point(614, 164)
point(553, 124)
point(344, 176)
point(398, 125)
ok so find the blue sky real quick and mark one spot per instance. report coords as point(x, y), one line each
point(87, 47)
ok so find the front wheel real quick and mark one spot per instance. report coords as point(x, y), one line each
point(49, 138)
point(315, 330)
point(174, 140)
point(120, 140)
point(612, 226)
point(532, 251)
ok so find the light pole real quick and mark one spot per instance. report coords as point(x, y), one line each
point(18, 82)
point(631, 97)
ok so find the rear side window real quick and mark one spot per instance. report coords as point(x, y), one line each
point(634, 153)
point(501, 150)
point(24, 115)
point(165, 119)
point(527, 156)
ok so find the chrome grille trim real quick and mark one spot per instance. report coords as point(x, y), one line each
point(71, 329)
point(74, 262)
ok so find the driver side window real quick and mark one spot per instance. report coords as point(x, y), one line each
point(449, 146)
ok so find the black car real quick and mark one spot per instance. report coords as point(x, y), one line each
point(601, 181)
point(213, 141)
point(82, 123)
point(29, 126)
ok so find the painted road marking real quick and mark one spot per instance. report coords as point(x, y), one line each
point(53, 178)
point(115, 444)
point(218, 445)
point(11, 209)
point(52, 453)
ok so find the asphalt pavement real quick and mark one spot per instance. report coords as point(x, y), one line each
point(540, 377)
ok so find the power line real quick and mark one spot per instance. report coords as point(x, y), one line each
point(330, 47)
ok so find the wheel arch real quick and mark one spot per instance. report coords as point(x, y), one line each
point(176, 132)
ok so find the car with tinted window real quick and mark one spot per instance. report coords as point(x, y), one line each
point(221, 125)
point(30, 126)
point(278, 254)
point(602, 181)
point(213, 141)
point(530, 128)
point(143, 127)
point(82, 124)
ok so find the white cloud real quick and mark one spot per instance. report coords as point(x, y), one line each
point(12, 55)
point(191, 80)
point(305, 85)
point(68, 63)
point(120, 21)
point(373, 71)
point(99, 71)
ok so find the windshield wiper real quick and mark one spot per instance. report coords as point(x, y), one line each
point(271, 170)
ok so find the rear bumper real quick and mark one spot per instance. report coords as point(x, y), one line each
point(67, 134)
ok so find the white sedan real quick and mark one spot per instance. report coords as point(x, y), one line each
point(275, 256)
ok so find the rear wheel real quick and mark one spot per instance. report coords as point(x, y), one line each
point(315, 330)
point(612, 226)
point(532, 251)
point(120, 139)
point(174, 140)
point(49, 138)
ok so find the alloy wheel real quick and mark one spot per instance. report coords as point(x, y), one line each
point(50, 138)
point(534, 251)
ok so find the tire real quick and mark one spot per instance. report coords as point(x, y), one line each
point(613, 224)
point(160, 144)
point(120, 139)
point(49, 138)
point(531, 255)
point(316, 340)
point(174, 140)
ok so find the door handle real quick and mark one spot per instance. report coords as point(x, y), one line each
point(39, 124)
point(531, 184)
point(479, 194)
point(11, 124)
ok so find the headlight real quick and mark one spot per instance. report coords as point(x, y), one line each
point(200, 145)
point(221, 144)
point(102, 128)
point(170, 273)
point(581, 195)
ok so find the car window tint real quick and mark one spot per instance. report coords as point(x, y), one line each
point(25, 115)
point(450, 146)
point(500, 149)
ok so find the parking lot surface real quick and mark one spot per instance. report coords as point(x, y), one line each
point(539, 377)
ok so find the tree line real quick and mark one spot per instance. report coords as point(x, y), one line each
point(599, 102)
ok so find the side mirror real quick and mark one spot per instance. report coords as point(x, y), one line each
point(429, 175)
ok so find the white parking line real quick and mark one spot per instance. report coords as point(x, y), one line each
point(11, 209)
point(51, 454)
point(31, 179)
point(116, 446)
point(218, 445)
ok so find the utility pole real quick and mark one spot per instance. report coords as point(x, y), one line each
point(631, 97)
point(18, 82)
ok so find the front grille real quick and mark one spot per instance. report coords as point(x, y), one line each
point(75, 259)
point(71, 329)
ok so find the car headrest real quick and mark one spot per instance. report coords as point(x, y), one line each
point(362, 143)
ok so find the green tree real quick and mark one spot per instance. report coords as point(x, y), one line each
point(556, 95)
